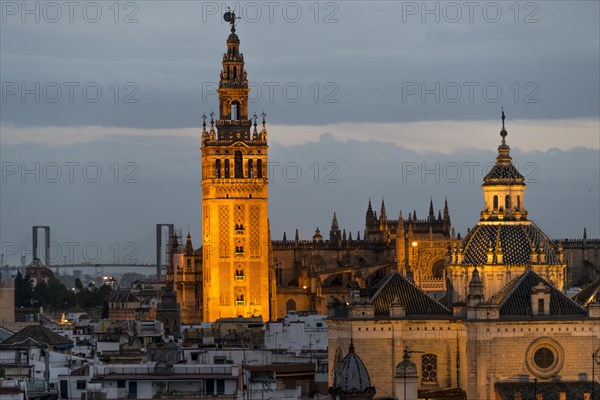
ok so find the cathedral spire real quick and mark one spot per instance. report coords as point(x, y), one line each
point(383, 218)
point(446, 217)
point(189, 249)
point(334, 222)
point(431, 212)
point(334, 232)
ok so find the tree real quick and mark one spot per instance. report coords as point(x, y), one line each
point(23, 290)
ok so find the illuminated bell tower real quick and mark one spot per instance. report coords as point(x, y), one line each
point(235, 230)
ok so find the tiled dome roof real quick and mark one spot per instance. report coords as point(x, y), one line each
point(503, 171)
point(515, 240)
point(351, 375)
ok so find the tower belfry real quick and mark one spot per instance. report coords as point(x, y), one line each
point(236, 273)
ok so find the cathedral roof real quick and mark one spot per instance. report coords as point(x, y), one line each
point(548, 390)
point(515, 298)
point(397, 289)
point(589, 294)
point(351, 375)
point(515, 241)
point(36, 336)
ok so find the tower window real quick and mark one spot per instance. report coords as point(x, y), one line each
point(259, 169)
point(218, 168)
point(541, 306)
point(519, 202)
point(239, 300)
point(507, 202)
point(495, 203)
point(239, 166)
point(234, 110)
point(234, 73)
point(250, 168)
point(429, 368)
point(226, 168)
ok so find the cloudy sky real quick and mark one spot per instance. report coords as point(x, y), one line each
point(102, 102)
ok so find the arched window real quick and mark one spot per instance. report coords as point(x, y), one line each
point(259, 172)
point(218, 168)
point(437, 269)
point(226, 168)
point(239, 165)
point(290, 305)
point(429, 368)
point(234, 110)
point(507, 202)
point(250, 168)
point(234, 72)
point(518, 202)
point(495, 203)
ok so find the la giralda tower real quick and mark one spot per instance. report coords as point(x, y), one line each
point(237, 280)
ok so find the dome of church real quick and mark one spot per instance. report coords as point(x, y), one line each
point(503, 172)
point(351, 375)
point(233, 38)
point(511, 244)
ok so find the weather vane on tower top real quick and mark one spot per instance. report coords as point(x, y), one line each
point(230, 17)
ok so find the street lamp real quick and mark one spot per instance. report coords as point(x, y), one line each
point(309, 298)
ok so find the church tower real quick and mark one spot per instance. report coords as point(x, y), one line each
point(235, 231)
point(505, 242)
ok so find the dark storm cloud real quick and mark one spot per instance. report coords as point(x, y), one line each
point(308, 183)
point(360, 61)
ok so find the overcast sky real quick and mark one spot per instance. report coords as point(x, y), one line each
point(366, 99)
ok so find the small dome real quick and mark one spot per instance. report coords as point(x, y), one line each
point(351, 375)
point(317, 236)
point(503, 172)
point(233, 38)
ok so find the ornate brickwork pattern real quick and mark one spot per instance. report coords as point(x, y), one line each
point(224, 283)
point(224, 231)
point(254, 231)
point(255, 283)
point(239, 215)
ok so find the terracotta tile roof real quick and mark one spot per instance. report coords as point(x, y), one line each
point(549, 390)
point(589, 294)
point(396, 289)
point(36, 336)
point(515, 298)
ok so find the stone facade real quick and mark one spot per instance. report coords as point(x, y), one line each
point(505, 325)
